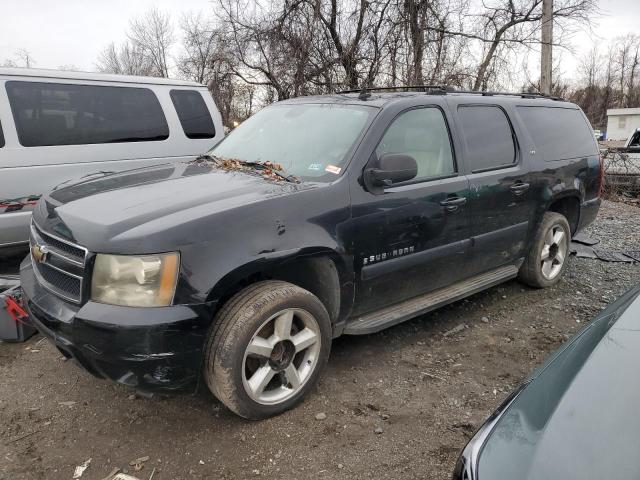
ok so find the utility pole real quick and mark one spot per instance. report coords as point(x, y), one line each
point(547, 41)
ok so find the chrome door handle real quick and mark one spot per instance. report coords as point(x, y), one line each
point(519, 188)
point(453, 203)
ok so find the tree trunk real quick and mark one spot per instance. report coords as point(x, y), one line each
point(482, 70)
point(417, 41)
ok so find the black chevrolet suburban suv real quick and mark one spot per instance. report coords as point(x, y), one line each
point(317, 217)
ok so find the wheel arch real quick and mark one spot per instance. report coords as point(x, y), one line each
point(568, 205)
point(320, 270)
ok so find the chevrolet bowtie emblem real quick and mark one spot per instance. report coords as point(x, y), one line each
point(39, 253)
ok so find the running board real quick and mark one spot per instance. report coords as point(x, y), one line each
point(398, 313)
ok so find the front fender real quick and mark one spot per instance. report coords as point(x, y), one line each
point(245, 243)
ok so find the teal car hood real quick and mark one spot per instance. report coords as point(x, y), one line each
point(577, 418)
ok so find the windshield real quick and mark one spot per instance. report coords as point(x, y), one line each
point(310, 141)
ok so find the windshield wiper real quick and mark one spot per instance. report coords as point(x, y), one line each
point(205, 157)
point(236, 164)
point(272, 168)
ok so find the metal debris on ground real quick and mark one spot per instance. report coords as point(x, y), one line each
point(582, 251)
point(455, 330)
point(112, 474)
point(583, 246)
point(79, 471)
point(124, 476)
point(138, 463)
point(584, 239)
point(635, 254)
point(608, 256)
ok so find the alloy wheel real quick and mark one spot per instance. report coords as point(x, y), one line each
point(554, 252)
point(281, 356)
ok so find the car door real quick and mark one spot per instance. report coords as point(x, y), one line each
point(411, 237)
point(500, 204)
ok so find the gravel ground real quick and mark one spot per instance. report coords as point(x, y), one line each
point(398, 404)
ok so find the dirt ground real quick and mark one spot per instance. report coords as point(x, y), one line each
point(426, 391)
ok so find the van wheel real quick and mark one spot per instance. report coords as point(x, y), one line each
point(548, 257)
point(267, 349)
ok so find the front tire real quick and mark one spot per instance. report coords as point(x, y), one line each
point(548, 257)
point(267, 349)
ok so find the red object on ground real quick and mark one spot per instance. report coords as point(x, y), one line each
point(15, 310)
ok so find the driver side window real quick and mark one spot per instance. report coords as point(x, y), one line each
point(422, 134)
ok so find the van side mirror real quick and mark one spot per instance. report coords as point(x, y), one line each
point(392, 168)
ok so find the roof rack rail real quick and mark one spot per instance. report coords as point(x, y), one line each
point(486, 93)
point(443, 90)
point(424, 88)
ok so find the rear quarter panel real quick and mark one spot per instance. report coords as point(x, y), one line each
point(555, 179)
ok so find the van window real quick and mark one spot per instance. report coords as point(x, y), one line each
point(1, 137)
point(422, 134)
point(559, 133)
point(488, 135)
point(67, 114)
point(193, 114)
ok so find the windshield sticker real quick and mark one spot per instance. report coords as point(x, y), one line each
point(315, 166)
point(333, 169)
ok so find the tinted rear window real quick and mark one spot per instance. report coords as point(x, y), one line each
point(559, 133)
point(488, 135)
point(193, 114)
point(66, 114)
point(1, 137)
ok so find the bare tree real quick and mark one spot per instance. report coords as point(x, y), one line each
point(252, 52)
point(201, 45)
point(21, 58)
point(518, 22)
point(8, 63)
point(207, 59)
point(277, 46)
point(24, 56)
point(127, 59)
point(627, 49)
point(152, 36)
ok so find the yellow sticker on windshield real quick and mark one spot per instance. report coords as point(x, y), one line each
point(332, 169)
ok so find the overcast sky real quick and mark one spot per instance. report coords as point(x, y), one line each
point(73, 32)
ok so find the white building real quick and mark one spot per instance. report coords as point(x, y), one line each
point(622, 122)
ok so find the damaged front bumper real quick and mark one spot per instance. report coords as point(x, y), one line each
point(151, 349)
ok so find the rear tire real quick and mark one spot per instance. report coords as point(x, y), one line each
point(548, 257)
point(267, 348)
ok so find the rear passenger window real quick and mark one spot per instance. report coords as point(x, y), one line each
point(488, 135)
point(1, 137)
point(67, 114)
point(559, 133)
point(422, 134)
point(193, 114)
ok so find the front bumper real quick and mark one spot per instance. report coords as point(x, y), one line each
point(150, 349)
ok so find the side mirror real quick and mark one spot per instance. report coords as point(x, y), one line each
point(392, 168)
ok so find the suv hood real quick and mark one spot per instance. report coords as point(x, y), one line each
point(118, 204)
point(577, 418)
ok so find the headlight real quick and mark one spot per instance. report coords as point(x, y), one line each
point(135, 280)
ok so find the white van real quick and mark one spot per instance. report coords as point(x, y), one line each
point(56, 126)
